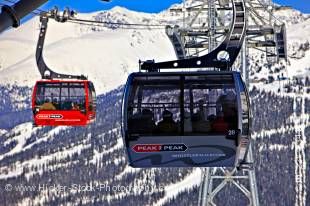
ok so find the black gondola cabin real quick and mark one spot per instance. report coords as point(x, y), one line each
point(188, 119)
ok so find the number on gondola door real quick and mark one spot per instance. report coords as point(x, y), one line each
point(232, 134)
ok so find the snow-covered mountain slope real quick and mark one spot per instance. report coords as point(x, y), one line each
point(67, 156)
point(299, 45)
point(94, 155)
point(107, 56)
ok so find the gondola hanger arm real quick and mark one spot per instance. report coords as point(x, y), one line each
point(222, 57)
point(45, 71)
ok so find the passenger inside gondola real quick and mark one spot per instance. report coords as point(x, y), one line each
point(149, 124)
point(75, 106)
point(67, 104)
point(220, 125)
point(201, 110)
point(227, 105)
point(142, 123)
point(55, 103)
point(167, 125)
point(48, 105)
point(200, 122)
point(188, 126)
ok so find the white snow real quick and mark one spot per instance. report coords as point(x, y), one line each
point(105, 56)
point(97, 155)
point(2, 132)
point(17, 168)
point(187, 183)
point(268, 133)
point(278, 147)
point(24, 132)
point(48, 136)
point(127, 170)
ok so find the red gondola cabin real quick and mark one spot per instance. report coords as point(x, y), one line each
point(64, 102)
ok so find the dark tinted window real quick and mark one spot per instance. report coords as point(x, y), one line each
point(210, 104)
point(175, 105)
point(154, 106)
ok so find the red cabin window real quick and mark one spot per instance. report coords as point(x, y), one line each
point(60, 96)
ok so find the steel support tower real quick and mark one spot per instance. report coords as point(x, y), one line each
point(220, 34)
point(214, 180)
point(262, 32)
